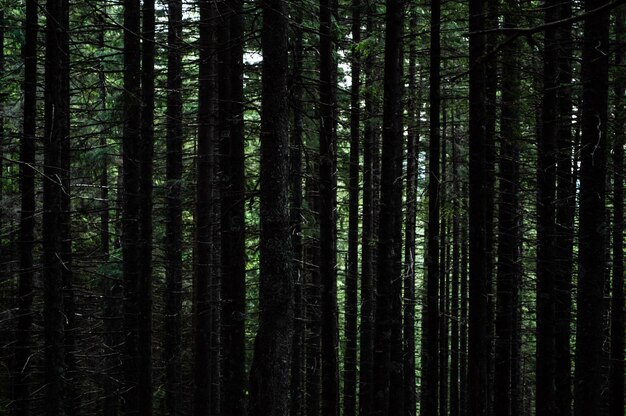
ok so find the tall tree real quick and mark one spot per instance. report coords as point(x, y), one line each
point(233, 220)
point(328, 202)
point(588, 376)
point(350, 356)
point(173, 224)
point(616, 374)
point(430, 313)
point(21, 385)
point(509, 232)
point(269, 378)
point(479, 289)
point(455, 352)
point(56, 266)
point(204, 212)
point(388, 393)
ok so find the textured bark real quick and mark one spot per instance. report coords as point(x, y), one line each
point(233, 220)
point(173, 222)
point(443, 275)
point(296, 213)
point(204, 214)
point(509, 225)
point(430, 313)
point(455, 353)
point(564, 232)
point(479, 289)
point(616, 372)
point(410, 261)
point(350, 354)
point(588, 377)
point(464, 304)
point(56, 260)
point(23, 336)
point(366, 356)
point(388, 395)
point(269, 392)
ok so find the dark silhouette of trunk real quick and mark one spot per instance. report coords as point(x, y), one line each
point(455, 405)
point(464, 304)
point(146, 151)
point(443, 275)
point(350, 355)
point(509, 224)
point(430, 311)
point(296, 213)
point(410, 393)
point(564, 232)
point(388, 393)
point(23, 336)
point(233, 221)
point(56, 261)
point(588, 378)
point(479, 289)
point(174, 205)
point(328, 202)
point(366, 356)
point(616, 372)
point(204, 214)
point(546, 220)
point(131, 203)
point(269, 379)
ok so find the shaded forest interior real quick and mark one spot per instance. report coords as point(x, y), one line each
point(312, 208)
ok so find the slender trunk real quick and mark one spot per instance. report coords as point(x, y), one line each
point(616, 372)
point(388, 323)
point(204, 214)
point(464, 304)
point(269, 392)
point(173, 224)
point(56, 266)
point(443, 274)
point(456, 259)
point(509, 230)
point(592, 261)
point(23, 338)
point(410, 393)
point(430, 312)
point(350, 356)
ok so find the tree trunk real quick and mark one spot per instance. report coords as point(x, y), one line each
point(388, 392)
point(455, 404)
point(592, 261)
point(173, 223)
point(204, 215)
point(430, 312)
point(56, 266)
point(23, 336)
point(269, 390)
point(616, 372)
point(443, 275)
point(350, 355)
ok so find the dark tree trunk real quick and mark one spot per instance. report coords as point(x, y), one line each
point(173, 223)
point(204, 214)
point(479, 289)
point(546, 220)
point(23, 336)
point(443, 275)
point(410, 393)
point(56, 266)
point(592, 260)
point(388, 392)
point(233, 220)
point(564, 232)
point(464, 304)
point(366, 357)
point(616, 372)
point(328, 202)
point(509, 224)
point(146, 151)
point(296, 213)
point(350, 355)
point(269, 392)
point(455, 405)
point(131, 203)
point(430, 312)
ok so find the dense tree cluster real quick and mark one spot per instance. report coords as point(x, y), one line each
point(312, 208)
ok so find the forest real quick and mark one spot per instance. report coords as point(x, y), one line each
point(312, 208)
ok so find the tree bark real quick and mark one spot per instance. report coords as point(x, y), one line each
point(269, 392)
